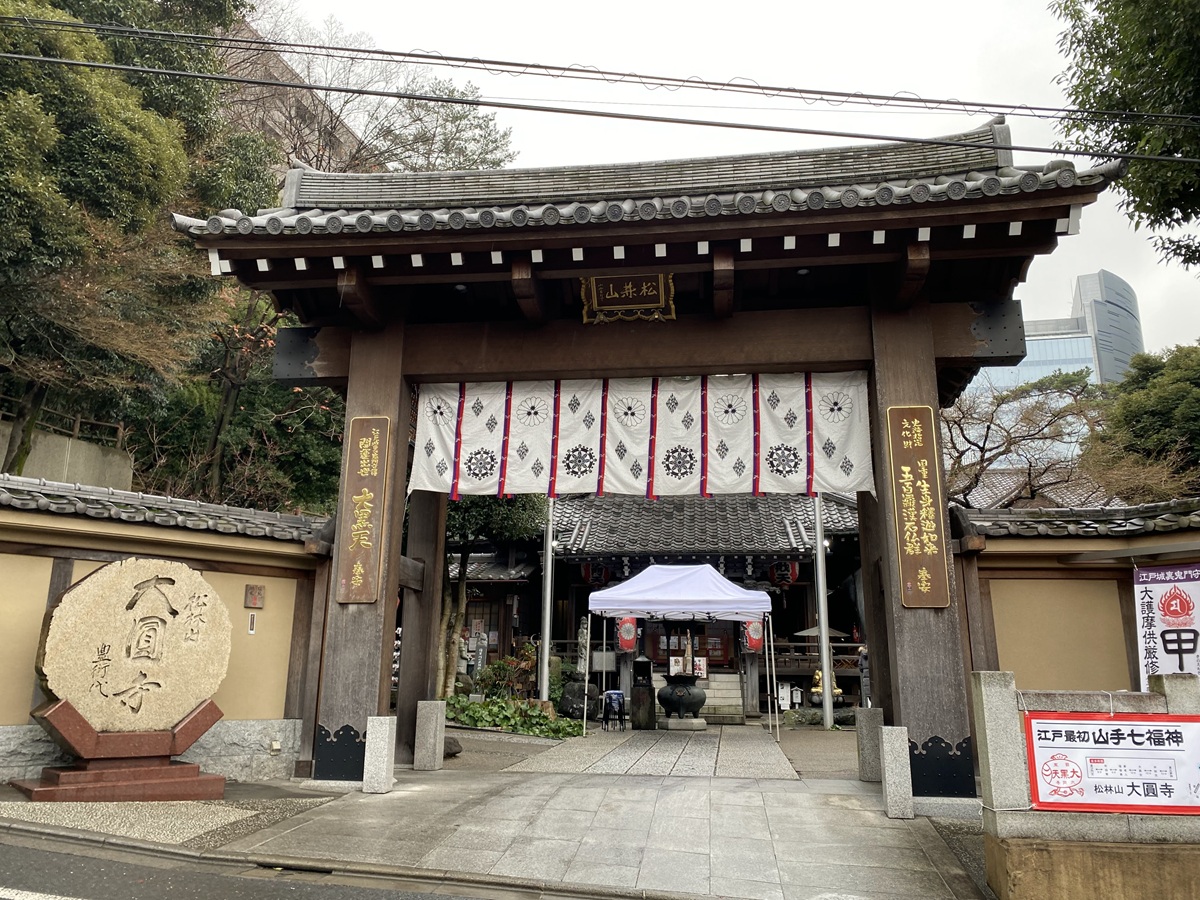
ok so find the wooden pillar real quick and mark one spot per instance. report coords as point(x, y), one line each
point(419, 617)
point(927, 690)
point(880, 635)
point(366, 555)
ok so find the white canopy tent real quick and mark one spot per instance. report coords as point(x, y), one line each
point(699, 593)
point(688, 593)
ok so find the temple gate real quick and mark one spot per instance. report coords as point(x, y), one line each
point(898, 261)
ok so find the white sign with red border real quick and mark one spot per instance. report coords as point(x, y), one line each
point(1097, 762)
point(1168, 622)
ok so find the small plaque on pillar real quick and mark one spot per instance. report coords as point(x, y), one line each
point(917, 506)
point(360, 533)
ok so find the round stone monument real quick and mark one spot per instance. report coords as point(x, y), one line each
point(136, 645)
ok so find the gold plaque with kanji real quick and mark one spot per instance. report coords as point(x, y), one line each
point(360, 531)
point(918, 506)
point(612, 298)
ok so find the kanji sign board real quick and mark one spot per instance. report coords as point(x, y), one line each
point(1167, 619)
point(1097, 762)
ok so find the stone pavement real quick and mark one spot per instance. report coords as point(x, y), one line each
point(595, 832)
point(721, 751)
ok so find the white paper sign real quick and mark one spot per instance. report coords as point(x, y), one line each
point(1095, 762)
point(1167, 622)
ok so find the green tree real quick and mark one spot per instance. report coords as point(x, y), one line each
point(1033, 431)
point(1149, 448)
point(188, 101)
point(1132, 71)
point(95, 295)
point(472, 522)
point(227, 433)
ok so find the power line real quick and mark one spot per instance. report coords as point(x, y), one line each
point(591, 113)
point(591, 73)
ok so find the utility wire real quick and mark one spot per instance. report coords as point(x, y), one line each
point(592, 113)
point(596, 74)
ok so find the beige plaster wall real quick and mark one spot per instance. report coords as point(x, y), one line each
point(1060, 634)
point(256, 684)
point(23, 587)
point(254, 688)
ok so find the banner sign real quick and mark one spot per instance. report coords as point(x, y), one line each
point(1167, 620)
point(360, 531)
point(695, 435)
point(1123, 763)
point(917, 505)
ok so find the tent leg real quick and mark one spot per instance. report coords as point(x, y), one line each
point(770, 678)
point(774, 677)
point(587, 659)
point(826, 657)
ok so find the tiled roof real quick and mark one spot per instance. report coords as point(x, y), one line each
point(617, 525)
point(1124, 521)
point(39, 495)
point(803, 181)
point(1001, 488)
point(483, 567)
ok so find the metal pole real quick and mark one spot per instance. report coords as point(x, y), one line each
point(547, 605)
point(587, 658)
point(604, 655)
point(774, 675)
point(823, 617)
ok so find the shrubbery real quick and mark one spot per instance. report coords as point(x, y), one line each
point(519, 716)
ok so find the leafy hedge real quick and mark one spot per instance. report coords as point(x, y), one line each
point(518, 716)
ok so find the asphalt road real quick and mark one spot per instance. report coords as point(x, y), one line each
point(37, 869)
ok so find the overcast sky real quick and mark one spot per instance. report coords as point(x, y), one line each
point(1003, 54)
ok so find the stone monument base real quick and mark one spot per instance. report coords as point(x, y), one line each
point(141, 778)
point(133, 765)
point(682, 724)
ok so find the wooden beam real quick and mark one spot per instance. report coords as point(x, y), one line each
point(359, 636)
point(913, 274)
point(778, 341)
point(1180, 550)
point(310, 357)
point(929, 693)
point(356, 295)
point(527, 291)
point(723, 279)
point(420, 617)
point(827, 338)
point(410, 573)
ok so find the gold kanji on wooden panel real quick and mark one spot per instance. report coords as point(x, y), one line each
point(611, 298)
point(360, 533)
point(917, 506)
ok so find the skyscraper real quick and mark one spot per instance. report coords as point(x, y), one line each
point(1102, 333)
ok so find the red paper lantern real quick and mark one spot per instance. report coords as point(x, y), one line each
point(753, 633)
point(784, 573)
point(627, 634)
point(595, 574)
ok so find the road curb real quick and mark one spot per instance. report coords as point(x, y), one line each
point(427, 879)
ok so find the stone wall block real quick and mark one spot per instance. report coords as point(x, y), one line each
point(1000, 737)
point(431, 735)
point(868, 723)
point(895, 765)
point(26, 749)
point(1181, 691)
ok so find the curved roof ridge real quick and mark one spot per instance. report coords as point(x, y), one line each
point(40, 495)
point(712, 174)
